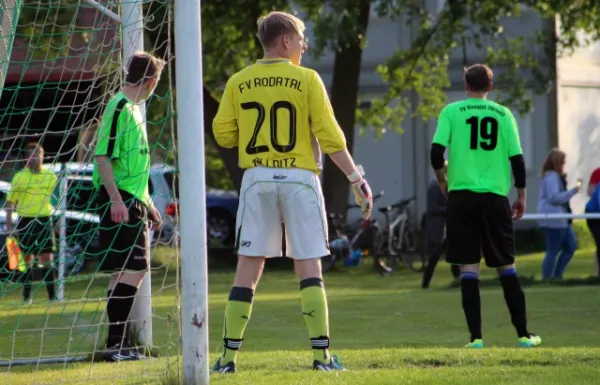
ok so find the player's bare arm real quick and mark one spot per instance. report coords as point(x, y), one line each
point(343, 160)
point(118, 210)
point(154, 216)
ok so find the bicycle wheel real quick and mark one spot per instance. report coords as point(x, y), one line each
point(412, 255)
point(409, 243)
point(384, 261)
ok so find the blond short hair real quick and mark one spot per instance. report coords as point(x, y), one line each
point(275, 24)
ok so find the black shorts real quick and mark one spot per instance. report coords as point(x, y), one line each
point(36, 235)
point(123, 245)
point(479, 224)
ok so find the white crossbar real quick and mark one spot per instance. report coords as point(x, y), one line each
point(104, 10)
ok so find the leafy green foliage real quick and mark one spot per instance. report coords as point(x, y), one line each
point(229, 37)
point(47, 26)
point(335, 25)
point(418, 76)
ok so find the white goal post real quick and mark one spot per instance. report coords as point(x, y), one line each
point(75, 51)
point(190, 122)
point(9, 16)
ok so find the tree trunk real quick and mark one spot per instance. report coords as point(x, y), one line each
point(344, 95)
point(229, 156)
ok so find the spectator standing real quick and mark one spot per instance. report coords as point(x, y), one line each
point(592, 184)
point(593, 206)
point(554, 199)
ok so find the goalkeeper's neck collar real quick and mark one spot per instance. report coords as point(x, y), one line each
point(273, 60)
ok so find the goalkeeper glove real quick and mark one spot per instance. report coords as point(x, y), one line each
point(362, 192)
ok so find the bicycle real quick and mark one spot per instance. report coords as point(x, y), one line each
point(344, 239)
point(397, 241)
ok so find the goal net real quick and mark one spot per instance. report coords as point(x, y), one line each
point(60, 62)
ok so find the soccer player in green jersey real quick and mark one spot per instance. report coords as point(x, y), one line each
point(484, 145)
point(121, 172)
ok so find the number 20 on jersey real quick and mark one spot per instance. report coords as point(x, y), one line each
point(252, 147)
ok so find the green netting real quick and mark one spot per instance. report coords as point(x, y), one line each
point(59, 66)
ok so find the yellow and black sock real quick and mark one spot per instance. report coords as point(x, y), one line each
point(237, 315)
point(316, 316)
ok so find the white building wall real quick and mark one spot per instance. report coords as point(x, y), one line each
point(579, 116)
point(399, 163)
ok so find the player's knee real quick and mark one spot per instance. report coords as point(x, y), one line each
point(45, 259)
point(469, 274)
point(308, 268)
point(469, 268)
point(132, 278)
point(507, 270)
point(249, 271)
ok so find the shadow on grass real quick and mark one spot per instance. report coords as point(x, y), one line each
point(528, 281)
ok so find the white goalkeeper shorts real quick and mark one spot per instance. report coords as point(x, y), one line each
point(272, 197)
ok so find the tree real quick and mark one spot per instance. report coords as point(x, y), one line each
point(422, 69)
point(342, 28)
point(230, 43)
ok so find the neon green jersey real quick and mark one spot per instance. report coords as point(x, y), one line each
point(31, 192)
point(481, 136)
point(122, 138)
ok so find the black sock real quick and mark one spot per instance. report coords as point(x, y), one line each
point(515, 301)
point(118, 308)
point(126, 336)
point(471, 303)
point(48, 280)
point(26, 279)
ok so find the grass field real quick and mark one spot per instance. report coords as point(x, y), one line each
point(385, 330)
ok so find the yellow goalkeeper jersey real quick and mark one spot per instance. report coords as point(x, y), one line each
point(279, 115)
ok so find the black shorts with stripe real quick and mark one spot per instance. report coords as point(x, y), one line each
point(479, 224)
point(123, 245)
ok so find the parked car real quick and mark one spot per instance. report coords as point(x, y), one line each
point(221, 205)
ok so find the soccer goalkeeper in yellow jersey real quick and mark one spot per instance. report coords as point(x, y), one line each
point(279, 116)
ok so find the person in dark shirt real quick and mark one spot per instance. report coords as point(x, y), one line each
point(435, 229)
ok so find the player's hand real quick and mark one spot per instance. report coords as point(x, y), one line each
point(119, 212)
point(155, 218)
point(518, 208)
point(362, 192)
point(444, 187)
